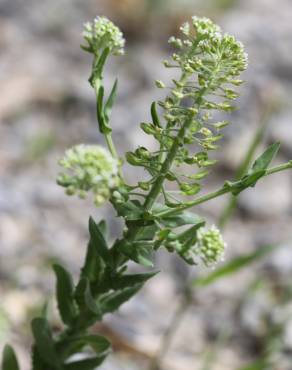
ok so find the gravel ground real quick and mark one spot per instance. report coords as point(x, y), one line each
point(46, 106)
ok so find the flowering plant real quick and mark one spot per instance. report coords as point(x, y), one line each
point(185, 126)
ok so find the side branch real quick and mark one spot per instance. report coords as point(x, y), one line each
point(219, 192)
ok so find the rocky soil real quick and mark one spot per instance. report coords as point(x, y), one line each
point(46, 106)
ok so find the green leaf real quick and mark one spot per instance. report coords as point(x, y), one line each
point(129, 210)
point(233, 266)
point(44, 342)
point(112, 301)
point(137, 252)
point(65, 295)
point(85, 299)
point(154, 115)
point(191, 233)
point(98, 240)
point(147, 232)
point(9, 360)
point(144, 256)
point(87, 364)
point(98, 69)
point(257, 171)
point(263, 161)
point(127, 281)
point(181, 219)
point(37, 362)
point(93, 266)
point(177, 219)
point(98, 343)
point(110, 101)
point(103, 228)
point(72, 345)
point(103, 126)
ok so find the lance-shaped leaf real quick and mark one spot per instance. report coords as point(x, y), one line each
point(87, 364)
point(103, 124)
point(99, 65)
point(263, 161)
point(110, 101)
point(128, 281)
point(65, 295)
point(103, 228)
point(44, 342)
point(130, 210)
point(97, 238)
point(94, 264)
point(98, 343)
point(112, 301)
point(69, 346)
point(176, 219)
point(139, 251)
point(9, 360)
point(36, 360)
point(86, 301)
point(257, 171)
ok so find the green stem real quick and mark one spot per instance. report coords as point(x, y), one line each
point(266, 113)
point(219, 192)
point(156, 188)
point(111, 145)
point(182, 80)
point(96, 82)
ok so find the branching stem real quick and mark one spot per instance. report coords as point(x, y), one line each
point(219, 192)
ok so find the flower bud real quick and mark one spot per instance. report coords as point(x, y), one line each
point(101, 34)
point(159, 84)
point(210, 245)
point(89, 168)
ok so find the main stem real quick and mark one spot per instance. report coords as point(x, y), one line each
point(156, 188)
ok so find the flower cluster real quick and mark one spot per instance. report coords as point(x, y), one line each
point(101, 34)
point(210, 245)
point(210, 63)
point(217, 58)
point(89, 168)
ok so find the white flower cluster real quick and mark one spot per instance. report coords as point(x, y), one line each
point(101, 34)
point(205, 49)
point(89, 168)
point(210, 245)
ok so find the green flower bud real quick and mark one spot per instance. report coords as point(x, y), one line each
point(220, 125)
point(175, 42)
point(178, 94)
point(89, 168)
point(205, 131)
point(142, 153)
point(159, 84)
point(185, 29)
point(210, 245)
point(148, 128)
point(102, 33)
point(205, 27)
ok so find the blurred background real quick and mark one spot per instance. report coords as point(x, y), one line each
point(46, 105)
